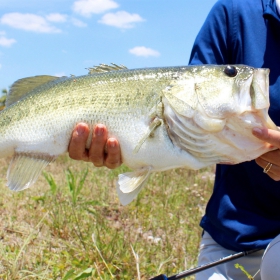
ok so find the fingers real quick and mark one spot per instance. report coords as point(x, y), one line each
point(97, 148)
point(113, 157)
point(272, 157)
point(78, 141)
point(273, 138)
point(273, 171)
point(268, 135)
point(102, 151)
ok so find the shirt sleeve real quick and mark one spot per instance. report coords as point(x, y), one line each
point(213, 41)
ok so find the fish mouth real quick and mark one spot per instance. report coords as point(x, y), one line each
point(259, 93)
point(260, 88)
point(253, 91)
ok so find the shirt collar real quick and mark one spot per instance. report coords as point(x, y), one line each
point(271, 10)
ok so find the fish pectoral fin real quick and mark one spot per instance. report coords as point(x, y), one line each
point(131, 183)
point(25, 169)
point(152, 127)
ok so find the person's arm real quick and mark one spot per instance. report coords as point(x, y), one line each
point(103, 151)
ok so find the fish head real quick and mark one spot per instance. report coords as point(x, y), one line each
point(219, 92)
point(225, 90)
point(211, 111)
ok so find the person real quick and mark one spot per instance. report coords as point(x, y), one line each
point(243, 211)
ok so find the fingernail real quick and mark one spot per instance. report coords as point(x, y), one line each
point(80, 130)
point(99, 130)
point(257, 131)
point(112, 143)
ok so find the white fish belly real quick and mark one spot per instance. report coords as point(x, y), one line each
point(157, 151)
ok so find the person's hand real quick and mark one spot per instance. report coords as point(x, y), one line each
point(270, 161)
point(102, 151)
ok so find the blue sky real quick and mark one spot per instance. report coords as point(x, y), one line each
point(63, 37)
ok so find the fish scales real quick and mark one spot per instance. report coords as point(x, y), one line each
point(164, 118)
point(97, 98)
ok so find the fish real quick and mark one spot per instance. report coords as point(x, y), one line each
point(163, 117)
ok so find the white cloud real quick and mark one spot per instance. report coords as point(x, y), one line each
point(5, 42)
point(121, 19)
point(56, 17)
point(144, 51)
point(28, 22)
point(88, 7)
point(60, 74)
point(78, 22)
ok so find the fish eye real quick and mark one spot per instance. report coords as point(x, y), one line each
point(230, 71)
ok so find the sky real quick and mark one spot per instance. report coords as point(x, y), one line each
point(64, 37)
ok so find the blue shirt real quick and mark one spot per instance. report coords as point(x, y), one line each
point(244, 210)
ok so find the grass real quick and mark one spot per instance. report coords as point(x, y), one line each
point(70, 225)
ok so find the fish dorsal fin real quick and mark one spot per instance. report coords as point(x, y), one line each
point(106, 68)
point(131, 183)
point(22, 87)
point(25, 168)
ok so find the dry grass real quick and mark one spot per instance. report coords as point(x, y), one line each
point(70, 228)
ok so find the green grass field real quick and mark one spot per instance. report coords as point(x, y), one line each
point(70, 225)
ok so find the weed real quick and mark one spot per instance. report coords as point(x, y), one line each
point(74, 186)
point(47, 232)
point(249, 276)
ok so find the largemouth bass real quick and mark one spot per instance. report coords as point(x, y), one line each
point(163, 118)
